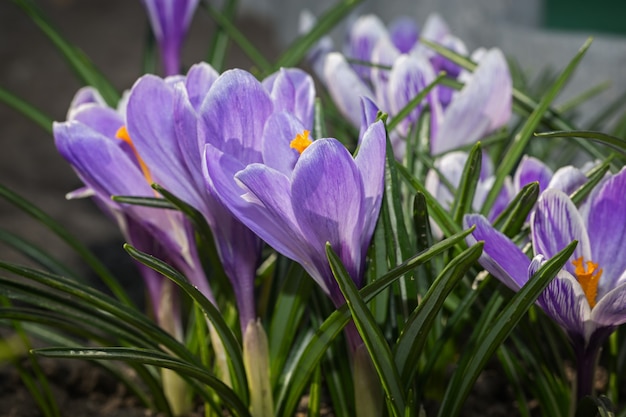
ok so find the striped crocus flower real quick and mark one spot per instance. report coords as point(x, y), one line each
point(588, 296)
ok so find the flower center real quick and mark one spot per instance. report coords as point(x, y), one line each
point(301, 141)
point(588, 275)
point(122, 134)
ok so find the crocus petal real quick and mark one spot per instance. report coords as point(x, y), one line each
point(531, 170)
point(554, 224)
point(611, 308)
point(85, 96)
point(567, 179)
point(103, 120)
point(102, 164)
point(369, 113)
point(606, 225)
point(169, 20)
point(152, 128)
point(404, 33)
point(409, 76)
point(292, 90)
point(364, 33)
point(345, 87)
point(280, 130)
point(384, 55)
point(483, 105)
point(563, 300)
point(233, 115)
point(327, 199)
point(370, 161)
point(501, 257)
point(198, 82)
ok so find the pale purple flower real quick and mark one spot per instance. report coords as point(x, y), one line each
point(323, 195)
point(93, 143)
point(458, 118)
point(170, 21)
point(588, 296)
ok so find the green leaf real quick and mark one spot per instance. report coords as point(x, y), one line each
point(298, 49)
point(232, 347)
point(414, 102)
point(514, 216)
point(155, 358)
point(377, 346)
point(78, 61)
point(296, 382)
point(613, 142)
point(464, 197)
point(518, 145)
point(22, 107)
point(154, 202)
point(413, 338)
point(90, 259)
point(595, 176)
point(484, 343)
point(230, 29)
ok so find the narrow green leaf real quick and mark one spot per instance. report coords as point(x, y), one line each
point(514, 216)
point(220, 40)
point(437, 212)
point(26, 109)
point(595, 177)
point(78, 61)
point(619, 144)
point(232, 347)
point(583, 97)
point(230, 29)
point(296, 382)
point(90, 259)
point(155, 358)
point(414, 102)
point(413, 338)
point(474, 359)
point(298, 49)
point(155, 202)
point(518, 145)
point(464, 197)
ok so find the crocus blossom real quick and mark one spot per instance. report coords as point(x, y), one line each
point(325, 196)
point(170, 21)
point(402, 68)
point(588, 296)
point(530, 169)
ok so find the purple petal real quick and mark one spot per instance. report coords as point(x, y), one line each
point(103, 120)
point(327, 200)
point(606, 225)
point(369, 113)
point(482, 106)
point(280, 130)
point(364, 33)
point(233, 115)
point(501, 257)
point(152, 128)
point(567, 179)
point(409, 76)
point(85, 96)
point(532, 170)
point(370, 161)
point(345, 87)
point(198, 82)
point(404, 33)
point(563, 300)
point(611, 307)
point(383, 54)
point(554, 224)
point(292, 90)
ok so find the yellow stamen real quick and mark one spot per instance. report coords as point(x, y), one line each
point(301, 141)
point(122, 134)
point(588, 278)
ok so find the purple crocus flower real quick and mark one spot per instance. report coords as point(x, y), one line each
point(322, 195)
point(588, 296)
point(95, 143)
point(170, 20)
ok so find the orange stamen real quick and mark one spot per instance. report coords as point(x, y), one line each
point(588, 278)
point(301, 142)
point(122, 134)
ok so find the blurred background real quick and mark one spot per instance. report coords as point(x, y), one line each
point(537, 34)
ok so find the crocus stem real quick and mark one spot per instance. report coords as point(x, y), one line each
point(257, 364)
point(367, 388)
point(585, 372)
